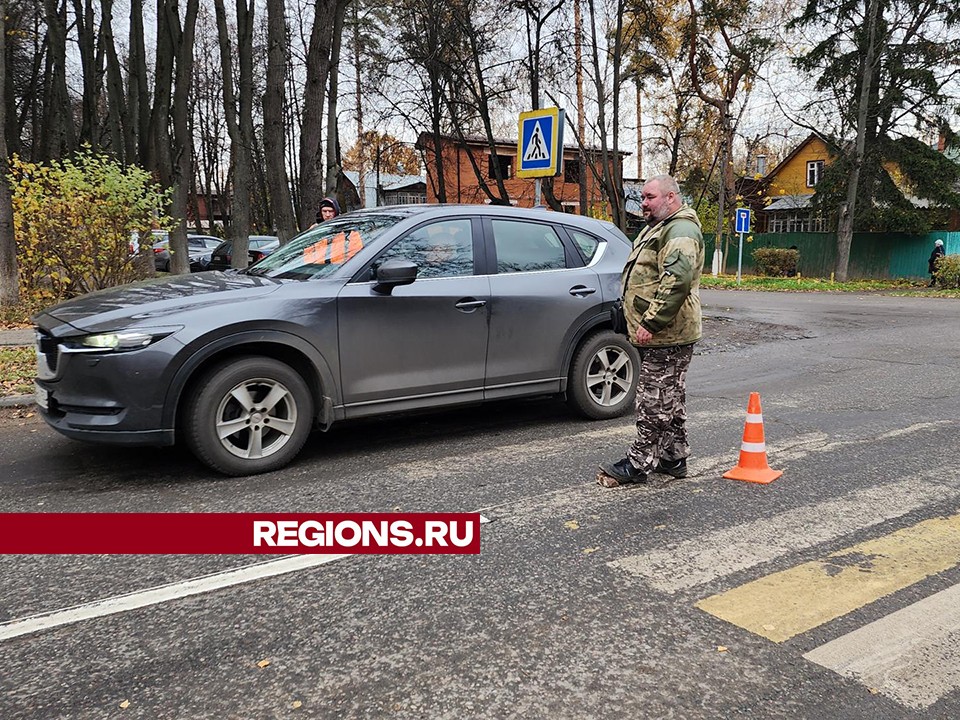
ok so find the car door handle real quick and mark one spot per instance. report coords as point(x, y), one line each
point(469, 304)
point(582, 291)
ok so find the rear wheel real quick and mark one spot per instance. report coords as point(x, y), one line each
point(603, 376)
point(251, 415)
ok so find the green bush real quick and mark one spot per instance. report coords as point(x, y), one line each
point(74, 221)
point(948, 271)
point(776, 262)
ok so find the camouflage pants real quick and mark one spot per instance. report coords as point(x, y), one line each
point(661, 407)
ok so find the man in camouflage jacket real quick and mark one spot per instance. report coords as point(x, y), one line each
point(661, 302)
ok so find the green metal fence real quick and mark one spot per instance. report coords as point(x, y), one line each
point(872, 255)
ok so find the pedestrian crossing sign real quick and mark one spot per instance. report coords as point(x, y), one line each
point(540, 143)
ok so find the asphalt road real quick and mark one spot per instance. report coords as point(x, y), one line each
point(830, 593)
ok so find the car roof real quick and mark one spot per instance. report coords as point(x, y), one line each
point(439, 210)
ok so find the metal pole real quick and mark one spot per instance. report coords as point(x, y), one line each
point(740, 258)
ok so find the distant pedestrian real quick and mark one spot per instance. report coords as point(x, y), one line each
point(938, 252)
point(329, 209)
point(660, 287)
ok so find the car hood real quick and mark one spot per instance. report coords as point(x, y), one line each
point(156, 301)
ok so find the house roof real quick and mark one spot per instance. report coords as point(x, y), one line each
point(501, 143)
point(793, 153)
point(789, 202)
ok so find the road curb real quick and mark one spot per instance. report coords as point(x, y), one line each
point(16, 400)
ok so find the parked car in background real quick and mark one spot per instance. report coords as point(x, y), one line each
point(197, 247)
point(379, 311)
point(258, 248)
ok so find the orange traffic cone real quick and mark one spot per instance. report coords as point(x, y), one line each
point(752, 466)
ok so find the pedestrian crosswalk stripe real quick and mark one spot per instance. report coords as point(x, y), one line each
point(712, 556)
point(911, 655)
point(787, 603)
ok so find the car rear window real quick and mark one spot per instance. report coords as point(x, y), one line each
point(587, 244)
point(527, 247)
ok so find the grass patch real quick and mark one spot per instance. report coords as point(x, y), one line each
point(18, 365)
point(803, 284)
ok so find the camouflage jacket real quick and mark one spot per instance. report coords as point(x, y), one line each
point(661, 281)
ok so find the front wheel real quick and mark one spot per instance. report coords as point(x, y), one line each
point(603, 376)
point(251, 415)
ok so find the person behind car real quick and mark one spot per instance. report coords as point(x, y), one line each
point(329, 209)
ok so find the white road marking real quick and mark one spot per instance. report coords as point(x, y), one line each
point(723, 552)
point(911, 655)
point(162, 593)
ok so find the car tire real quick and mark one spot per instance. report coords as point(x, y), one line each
point(266, 437)
point(603, 376)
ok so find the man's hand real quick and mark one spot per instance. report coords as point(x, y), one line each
point(643, 335)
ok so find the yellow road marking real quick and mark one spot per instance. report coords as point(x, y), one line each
point(791, 602)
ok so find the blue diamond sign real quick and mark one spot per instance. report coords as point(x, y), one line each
point(540, 143)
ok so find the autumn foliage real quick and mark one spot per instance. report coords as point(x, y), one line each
point(75, 221)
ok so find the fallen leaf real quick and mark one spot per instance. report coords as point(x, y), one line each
point(769, 627)
point(587, 551)
point(659, 527)
point(125, 704)
point(721, 648)
point(263, 663)
point(874, 691)
point(295, 704)
point(572, 525)
point(697, 490)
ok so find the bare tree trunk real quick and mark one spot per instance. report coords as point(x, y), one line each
point(57, 135)
point(848, 208)
point(314, 97)
point(333, 133)
point(9, 283)
point(182, 146)
point(122, 135)
point(639, 127)
point(239, 117)
point(361, 155)
point(138, 93)
point(274, 144)
point(90, 71)
point(581, 119)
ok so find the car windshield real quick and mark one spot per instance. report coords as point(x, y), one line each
point(324, 249)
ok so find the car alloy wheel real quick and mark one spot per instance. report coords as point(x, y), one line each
point(603, 376)
point(251, 415)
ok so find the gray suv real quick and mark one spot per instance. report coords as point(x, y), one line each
point(374, 312)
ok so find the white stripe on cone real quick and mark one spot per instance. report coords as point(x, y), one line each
point(753, 447)
point(755, 418)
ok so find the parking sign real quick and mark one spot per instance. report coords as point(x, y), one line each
point(743, 220)
point(540, 143)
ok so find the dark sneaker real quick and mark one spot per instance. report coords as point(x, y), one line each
point(676, 468)
point(623, 472)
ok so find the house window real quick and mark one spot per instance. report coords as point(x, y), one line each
point(814, 172)
point(571, 171)
point(506, 161)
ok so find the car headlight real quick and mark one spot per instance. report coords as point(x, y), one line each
point(120, 340)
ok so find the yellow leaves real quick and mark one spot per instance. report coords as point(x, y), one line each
point(590, 551)
point(125, 704)
point(263, 663)
point(296, 704)
point(721, 648)
point(572, 525)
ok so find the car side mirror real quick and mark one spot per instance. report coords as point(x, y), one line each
point(395, 272)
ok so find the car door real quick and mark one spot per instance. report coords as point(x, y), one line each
point(423, 344)
point(540, 296)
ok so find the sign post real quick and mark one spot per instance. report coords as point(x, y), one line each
point(540, 145)
point(742, 226)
